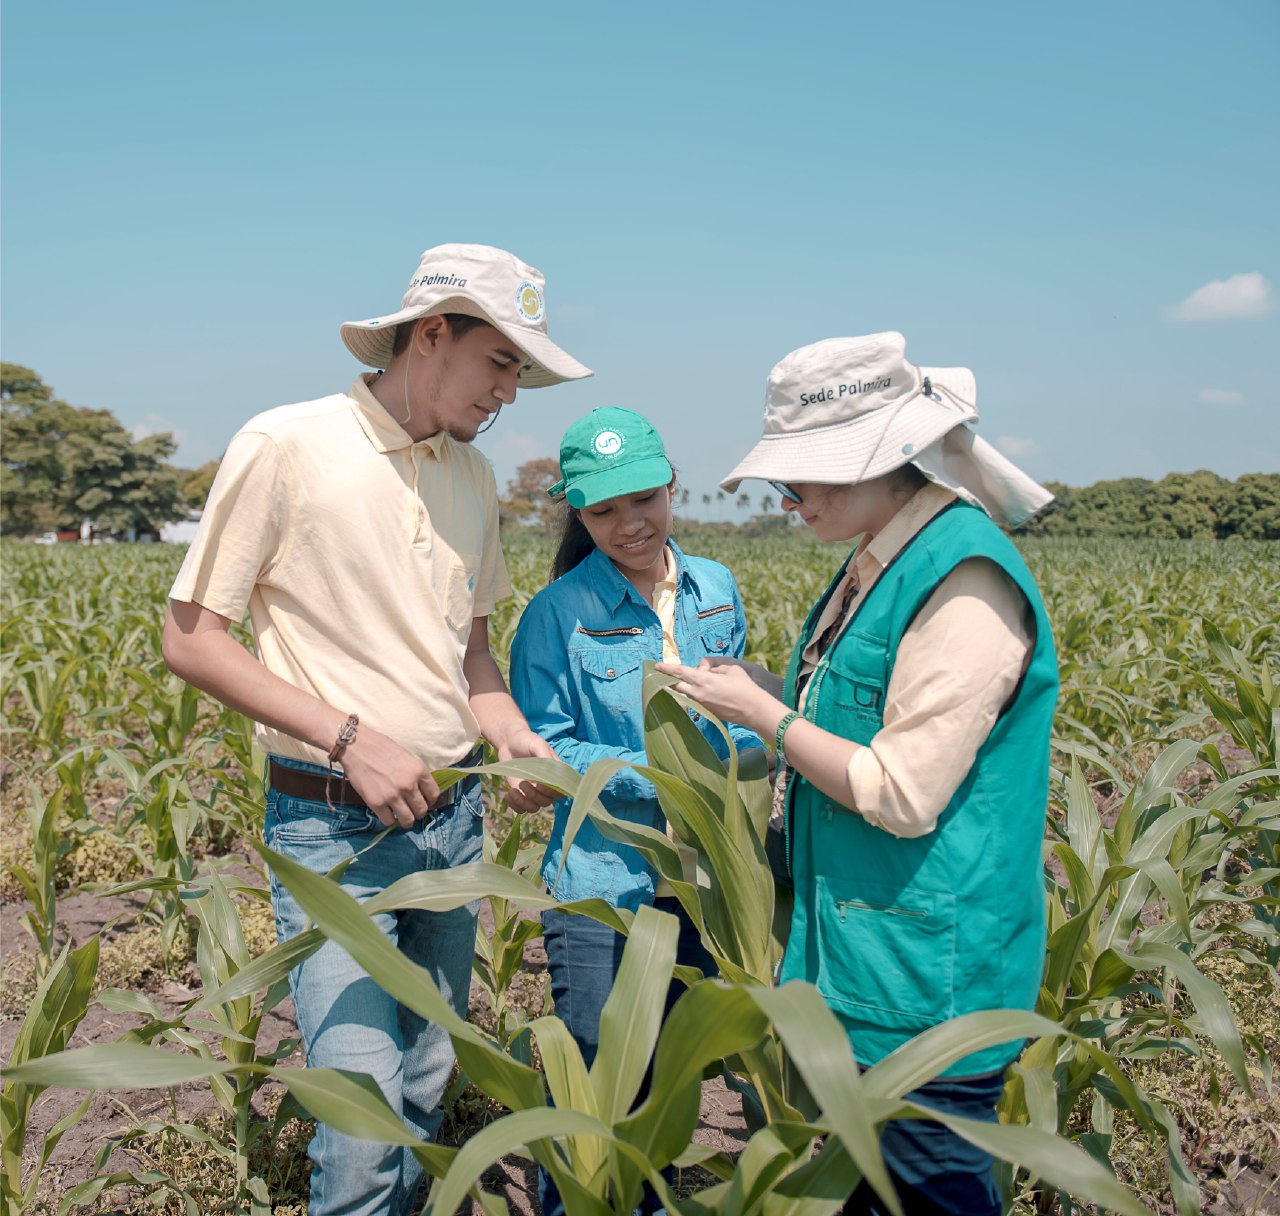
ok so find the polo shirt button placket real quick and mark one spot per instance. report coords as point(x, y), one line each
point(421, 517)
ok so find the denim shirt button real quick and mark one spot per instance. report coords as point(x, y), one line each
point(610, 673)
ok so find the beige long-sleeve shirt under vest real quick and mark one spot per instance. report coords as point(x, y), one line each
point(957, 664)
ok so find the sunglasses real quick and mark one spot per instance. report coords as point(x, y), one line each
point(785, 490)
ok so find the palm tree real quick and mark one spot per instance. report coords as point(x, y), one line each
point(766, 503)
point(744, 501)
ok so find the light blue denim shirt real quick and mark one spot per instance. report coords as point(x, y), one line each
point(576, 669)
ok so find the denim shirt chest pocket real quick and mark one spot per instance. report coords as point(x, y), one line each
point(609, 679)
point(713, 633)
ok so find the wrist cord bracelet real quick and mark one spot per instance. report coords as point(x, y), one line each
point(346, 737)
point(790, 716)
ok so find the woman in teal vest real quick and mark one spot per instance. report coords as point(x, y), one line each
point(912, 730)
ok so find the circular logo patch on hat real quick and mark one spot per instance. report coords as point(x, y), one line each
point(608, 443)
point(529, 302)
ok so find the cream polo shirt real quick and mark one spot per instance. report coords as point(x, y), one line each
point(957, 664)
point(362, 558)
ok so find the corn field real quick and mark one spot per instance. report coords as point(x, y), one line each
point(136, 908)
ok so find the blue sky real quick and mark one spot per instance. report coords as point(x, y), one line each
point(196, 195)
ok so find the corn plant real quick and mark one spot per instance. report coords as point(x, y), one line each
point(45, 684)
point(60, 1004)
point(221, 956)
point(500, 950)
point(160, 806)
point(712, 1020)
point(49, 844)
point(1125, 925)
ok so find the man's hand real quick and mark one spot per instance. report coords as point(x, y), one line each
point(524, 796)
point(398, 789)
point(198, 647)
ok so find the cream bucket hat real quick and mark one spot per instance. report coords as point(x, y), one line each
point(483, 282)
point(847, 410)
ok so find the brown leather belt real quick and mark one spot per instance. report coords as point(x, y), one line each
point(314, 787)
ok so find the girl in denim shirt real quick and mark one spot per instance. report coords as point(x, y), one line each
point(622, 592)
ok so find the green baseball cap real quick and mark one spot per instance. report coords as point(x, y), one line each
point(611, 451)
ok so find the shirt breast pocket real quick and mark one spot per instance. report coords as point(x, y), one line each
point(609, 679)
point(715, 641)
point(460, 591)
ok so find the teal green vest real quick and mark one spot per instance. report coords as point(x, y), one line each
point(901, 934)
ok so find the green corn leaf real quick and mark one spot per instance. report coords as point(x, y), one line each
point(344, 922)
point(60, 1003)
point(267, 969)
point(568, 1081)
point(709, 1022)
point(554, 774)
point(924, 1057)
point(1048, 1157)
point(509, 1135)
point(352, 1104)
point(819, 1048)
point(633, 1012)
point(118, 1000)
point(1211, 1003)
point(116, 1066)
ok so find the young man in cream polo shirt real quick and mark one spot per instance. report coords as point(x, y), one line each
point(360, 531)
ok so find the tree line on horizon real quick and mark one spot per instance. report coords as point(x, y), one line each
point(1190, 506)
point(63, 464)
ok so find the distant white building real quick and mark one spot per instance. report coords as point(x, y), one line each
point(182, 532)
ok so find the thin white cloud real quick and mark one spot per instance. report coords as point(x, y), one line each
point(1223, 398)
point(1015, 445)
point(154, 424)
point(1242, 295)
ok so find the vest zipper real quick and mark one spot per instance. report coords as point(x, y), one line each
point(862, 906)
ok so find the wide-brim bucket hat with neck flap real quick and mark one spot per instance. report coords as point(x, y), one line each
point(846, 410)
point(477, 281)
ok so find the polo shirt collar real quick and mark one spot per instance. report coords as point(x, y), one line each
point(381, 429)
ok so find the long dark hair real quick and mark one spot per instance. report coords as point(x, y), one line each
point(575, 544)
point(575, 541)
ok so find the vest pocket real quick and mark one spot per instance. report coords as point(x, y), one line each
point(854, 684)
point(885, 950)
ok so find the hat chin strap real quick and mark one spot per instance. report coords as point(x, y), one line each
point(492, 420)
point(408, 410)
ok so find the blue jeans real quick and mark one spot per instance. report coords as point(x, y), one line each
point(346, 1020)
point(583, 957)
point(936, 1172)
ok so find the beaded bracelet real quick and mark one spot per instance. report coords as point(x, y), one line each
point(787, 718)
point(346, 737)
